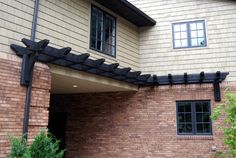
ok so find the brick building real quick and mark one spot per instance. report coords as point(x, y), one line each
point(117, 78)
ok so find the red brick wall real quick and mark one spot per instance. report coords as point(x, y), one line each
point(12, 100)
point(122, 124)
point(134, 124)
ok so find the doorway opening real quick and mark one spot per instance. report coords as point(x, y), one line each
point(57, 127)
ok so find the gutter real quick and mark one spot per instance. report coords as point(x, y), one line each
point(31, 69)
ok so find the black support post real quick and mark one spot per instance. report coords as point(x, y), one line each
point(216, 86)
point(217, 93)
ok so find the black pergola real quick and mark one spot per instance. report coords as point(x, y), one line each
point(40, 51)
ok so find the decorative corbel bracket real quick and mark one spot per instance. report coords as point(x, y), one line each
point(28, 58)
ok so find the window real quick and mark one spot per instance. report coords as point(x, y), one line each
point(103, 32)
point(193, 118)
point(189, 34)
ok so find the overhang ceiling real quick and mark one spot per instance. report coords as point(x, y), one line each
point(69, 81)
point(128, 11)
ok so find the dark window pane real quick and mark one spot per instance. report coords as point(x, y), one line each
point(93, 33)
point(206, 117)
point(99, 27)
point(181, 118)
point(93, 43)
point(99, 35)
point(188, 107)
point(199, 117)
point(181, 128)
point(108, 49)
point(108, 37)
point(206, 128)
point(99, 45)
point(188, 117)
point(94, 15)
point(185, 128)
point(107, 34)
point(93, 29)
point(100, 16)
point(198, 107)
point(181, 108)
point(206, 107)
point(188, 128)
point(200, 128)
point(96, 29)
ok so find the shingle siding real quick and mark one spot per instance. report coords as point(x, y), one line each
point(66, 24)
point(157, 55)
point(15, 22)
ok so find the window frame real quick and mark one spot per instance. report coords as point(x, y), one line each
point(193, 113)
point(189, 43)
point(90, 37)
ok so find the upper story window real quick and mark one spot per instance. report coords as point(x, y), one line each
point(189, 34)
point(193, 118)
point(103, 32)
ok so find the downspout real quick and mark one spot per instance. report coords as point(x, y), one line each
point(35, 19)
point(29, 87)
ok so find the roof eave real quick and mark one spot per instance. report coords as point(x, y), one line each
point(128, 11)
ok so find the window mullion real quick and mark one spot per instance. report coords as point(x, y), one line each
point(103, 32)
point(96, 31)
point(204, 30)
point(209, 104)
point(193, 117)
point(177, 117)
point(189, 34)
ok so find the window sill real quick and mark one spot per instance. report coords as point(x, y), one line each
point(109, 57)
point(195, 137)
point(189, 48)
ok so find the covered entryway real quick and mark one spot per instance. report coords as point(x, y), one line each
point(78, 113)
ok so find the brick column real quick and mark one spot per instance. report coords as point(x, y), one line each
point(12, 100)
